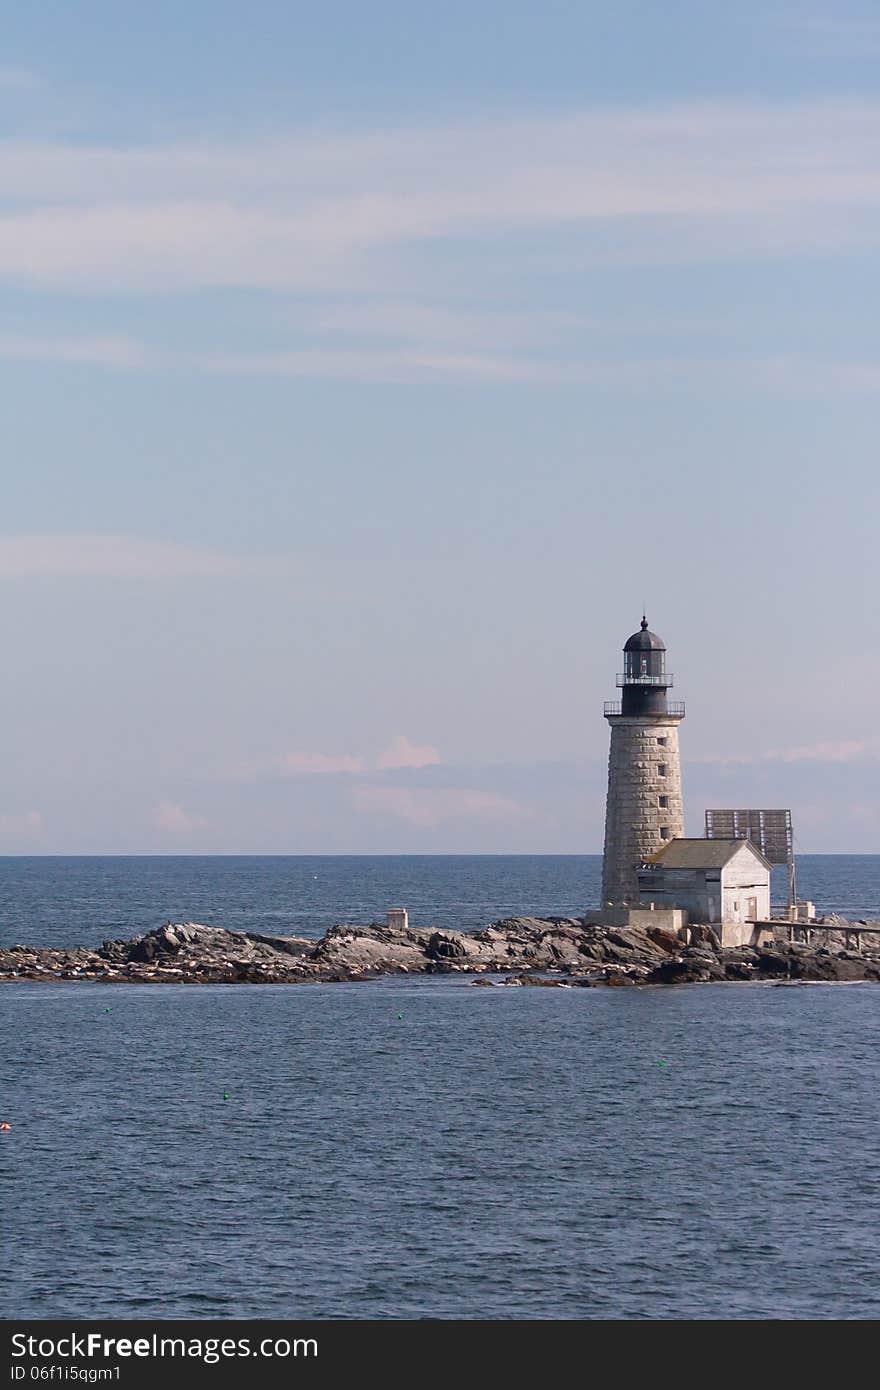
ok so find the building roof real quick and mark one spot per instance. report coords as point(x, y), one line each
point(702, 854)
point(644, 641)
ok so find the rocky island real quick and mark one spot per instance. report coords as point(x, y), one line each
point(524, 950)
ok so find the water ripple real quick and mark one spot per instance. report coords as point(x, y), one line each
point(521, 1155)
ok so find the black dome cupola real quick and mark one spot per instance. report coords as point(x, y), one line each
point(644, 680)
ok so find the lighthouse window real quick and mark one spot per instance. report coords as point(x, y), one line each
point(664, 802)
point(663, 742)
point(661, 769)
point(664, 832)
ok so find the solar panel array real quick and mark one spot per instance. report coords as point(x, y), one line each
point(769, 831)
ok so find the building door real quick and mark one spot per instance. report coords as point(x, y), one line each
point(752, 909)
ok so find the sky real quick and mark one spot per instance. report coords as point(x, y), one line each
point(365, 369)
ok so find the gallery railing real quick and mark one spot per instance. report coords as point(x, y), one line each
point(624, 679)
point(674, 710)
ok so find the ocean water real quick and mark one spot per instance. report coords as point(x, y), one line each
point(422, 1147)
point(79, 901)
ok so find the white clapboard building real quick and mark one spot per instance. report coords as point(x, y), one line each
point(725, 883)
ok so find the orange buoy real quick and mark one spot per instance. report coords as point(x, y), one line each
point(5, 1125)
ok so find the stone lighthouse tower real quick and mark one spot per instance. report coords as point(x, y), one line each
point(644, 807)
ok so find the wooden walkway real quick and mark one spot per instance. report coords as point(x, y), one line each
point(852, 932)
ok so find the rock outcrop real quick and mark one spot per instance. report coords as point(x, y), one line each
point(528, 950)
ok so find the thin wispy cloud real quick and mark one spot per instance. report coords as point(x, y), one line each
point(396, 368)
point(172, 819)
point(832, 751)
point(804, 376)
point(94, 350)
point(349, 228)
point(402, 752)
point(20, 80)
point(780, 375)
point(313, 211)
point(86, 555)
point(835, 36)
point(823, 751)
point(399, 754)
point(21, 823)
point(424, 324)
point(787, 375)
point(430, 806)
point(319, 764)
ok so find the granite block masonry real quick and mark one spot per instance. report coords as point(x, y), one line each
point(644, 808)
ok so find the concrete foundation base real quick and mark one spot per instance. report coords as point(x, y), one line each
point(670, 918)
point(742, 934)
point(675, 919)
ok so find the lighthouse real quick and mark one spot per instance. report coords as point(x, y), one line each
point(644, 807)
